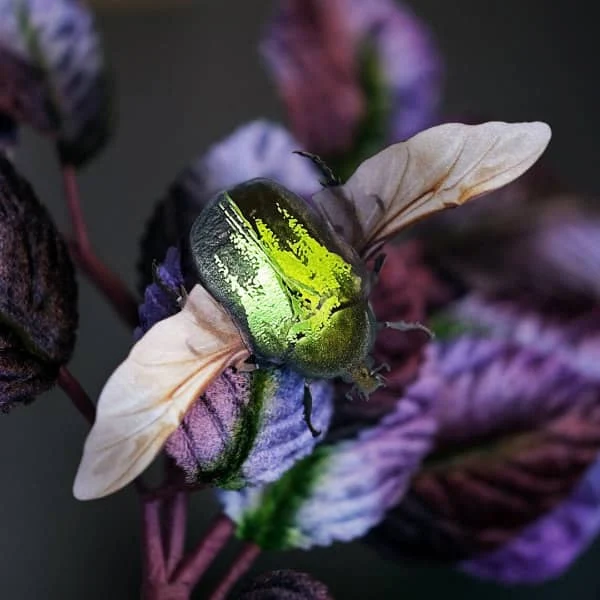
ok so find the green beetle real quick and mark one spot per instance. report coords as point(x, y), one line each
point(287, 283)
point(298, 292)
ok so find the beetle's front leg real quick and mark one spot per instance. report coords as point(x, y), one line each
point(406, 326)
point(307, 402)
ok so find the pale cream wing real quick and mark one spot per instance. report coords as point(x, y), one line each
point(439, 168)
point(148, 395)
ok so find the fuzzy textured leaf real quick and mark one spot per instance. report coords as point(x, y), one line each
point(38, 292)
point(517, 431)
point(284, 585)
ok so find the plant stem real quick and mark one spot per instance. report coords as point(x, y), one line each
point(243, 562)
point(198, 561)
point(77, 394)
point(83, 254)
point(153, 553)
point(176, 521)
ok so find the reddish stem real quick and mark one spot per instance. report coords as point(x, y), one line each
point(176, 521)
point(242, 563)
point(153, 553)
point(77, 394)
point(83, 254)
point(194, 566)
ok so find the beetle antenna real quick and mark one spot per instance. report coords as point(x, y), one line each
point(331, 180)
point(406, 326)
point(307, 402)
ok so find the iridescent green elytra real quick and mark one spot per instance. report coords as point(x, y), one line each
point(297, 291)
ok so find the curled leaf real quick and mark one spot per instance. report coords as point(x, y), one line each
point(284, 585)
point(258, 149)
point(38, 293)
point(516, 432)
point(343, 488)
point(60, 48)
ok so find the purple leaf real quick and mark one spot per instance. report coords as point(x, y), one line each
point(344, 487)
point(573, 337)
point(517, 431)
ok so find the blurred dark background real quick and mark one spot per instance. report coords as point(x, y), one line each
point(187, 74)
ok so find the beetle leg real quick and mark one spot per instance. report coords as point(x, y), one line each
point(407, 326)
point(307, 402)
point(331, 180)
point(379, 260)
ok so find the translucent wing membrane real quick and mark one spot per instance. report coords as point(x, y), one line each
point(439, 168)
point(148, 395)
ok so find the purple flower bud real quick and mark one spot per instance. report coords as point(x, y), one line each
point(38, 293)
point(258, 149)
point(517, 430)
point(58, 42)
point(247, 428)
point(284, 585)
point(343, 488)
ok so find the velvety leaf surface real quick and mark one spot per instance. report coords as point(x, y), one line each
point(343, 488)
point(573, 336)
point(38, 293)
point(529, 241)
point(249, 428)
point(284, 585)
point(517, 431)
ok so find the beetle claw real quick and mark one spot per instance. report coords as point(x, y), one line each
point(307, 401)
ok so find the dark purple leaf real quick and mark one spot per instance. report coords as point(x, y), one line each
point(284, 585)
point(38, 293)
